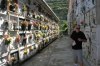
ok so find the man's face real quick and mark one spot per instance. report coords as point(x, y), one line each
point(77, 29)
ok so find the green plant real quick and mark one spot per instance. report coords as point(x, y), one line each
point(7, 41)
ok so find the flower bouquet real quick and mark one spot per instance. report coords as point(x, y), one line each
point(43, 27)
point(24, 8)
point(24, 25)
point(25, 52)
point(47, 40)
point(17, 40)
point(31, 48)
point(7, 41)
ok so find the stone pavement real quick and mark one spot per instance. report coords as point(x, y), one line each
point(59, 53)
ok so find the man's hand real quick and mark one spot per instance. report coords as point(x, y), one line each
point(79, 39)
point(83, 40)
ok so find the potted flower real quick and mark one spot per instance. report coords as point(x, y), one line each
point(25, 51)
point(31, 48)
point(24, 25)
point(24, 10)
point(7, 40)
point(43, 26)
point(17, 40)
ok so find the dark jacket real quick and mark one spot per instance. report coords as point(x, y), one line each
point(75, 35)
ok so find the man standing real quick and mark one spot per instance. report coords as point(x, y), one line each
point(78, 37)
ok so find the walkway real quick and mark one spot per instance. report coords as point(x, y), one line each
point(58, 53)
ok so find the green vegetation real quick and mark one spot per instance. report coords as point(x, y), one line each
point(63, 26)
point(60, 7)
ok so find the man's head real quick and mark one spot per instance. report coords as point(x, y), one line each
point(77, 28)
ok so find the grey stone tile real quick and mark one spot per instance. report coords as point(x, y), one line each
point(59, 53)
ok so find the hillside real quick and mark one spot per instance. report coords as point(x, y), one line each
point(59, 7)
